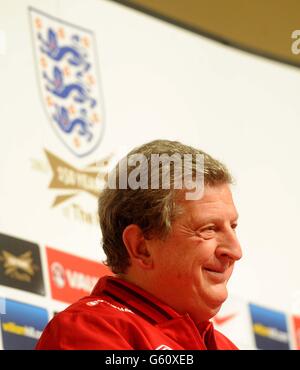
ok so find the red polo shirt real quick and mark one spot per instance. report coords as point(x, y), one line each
point(119, 315)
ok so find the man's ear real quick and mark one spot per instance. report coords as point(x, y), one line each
point(137, 246)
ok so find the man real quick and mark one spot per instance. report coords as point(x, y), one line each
point(172, 256)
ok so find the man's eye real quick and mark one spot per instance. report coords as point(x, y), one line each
point(210, 228)
point(207, 232)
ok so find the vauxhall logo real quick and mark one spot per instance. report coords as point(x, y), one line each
point(74, 279)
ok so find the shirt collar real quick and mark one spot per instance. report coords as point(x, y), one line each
point(141, 302)
point(136, 299)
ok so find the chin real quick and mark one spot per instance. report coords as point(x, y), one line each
point(209, 313)
point(216, 299)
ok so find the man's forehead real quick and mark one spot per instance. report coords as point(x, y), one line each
point(216, 201)
point(213, 209)
point(212, 194)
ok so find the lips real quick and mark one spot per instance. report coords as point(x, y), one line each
point(218, 273)
point(219, 270)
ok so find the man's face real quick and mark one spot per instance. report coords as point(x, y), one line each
point(193, 265)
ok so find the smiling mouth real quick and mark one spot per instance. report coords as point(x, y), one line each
point(216, 271)
point(217, 275)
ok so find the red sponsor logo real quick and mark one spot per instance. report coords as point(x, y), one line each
point(72, 277)
point(296, 323)
point(221, 320)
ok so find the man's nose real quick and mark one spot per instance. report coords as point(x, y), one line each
point(230, 246)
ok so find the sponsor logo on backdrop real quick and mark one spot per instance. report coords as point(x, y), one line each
point(69, 182)
point(234, 321)
point(72, 277)
point(221, 320)
point(296, 327)
point(66, 62)
point(72, 180)
point(270, 328)
point(20, 265)
point(22, 325)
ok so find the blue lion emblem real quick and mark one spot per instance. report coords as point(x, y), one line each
point(67, 125)
point(76, 56)
point(57, 87)
point(69, 81)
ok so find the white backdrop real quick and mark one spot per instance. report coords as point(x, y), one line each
point(158, 81)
